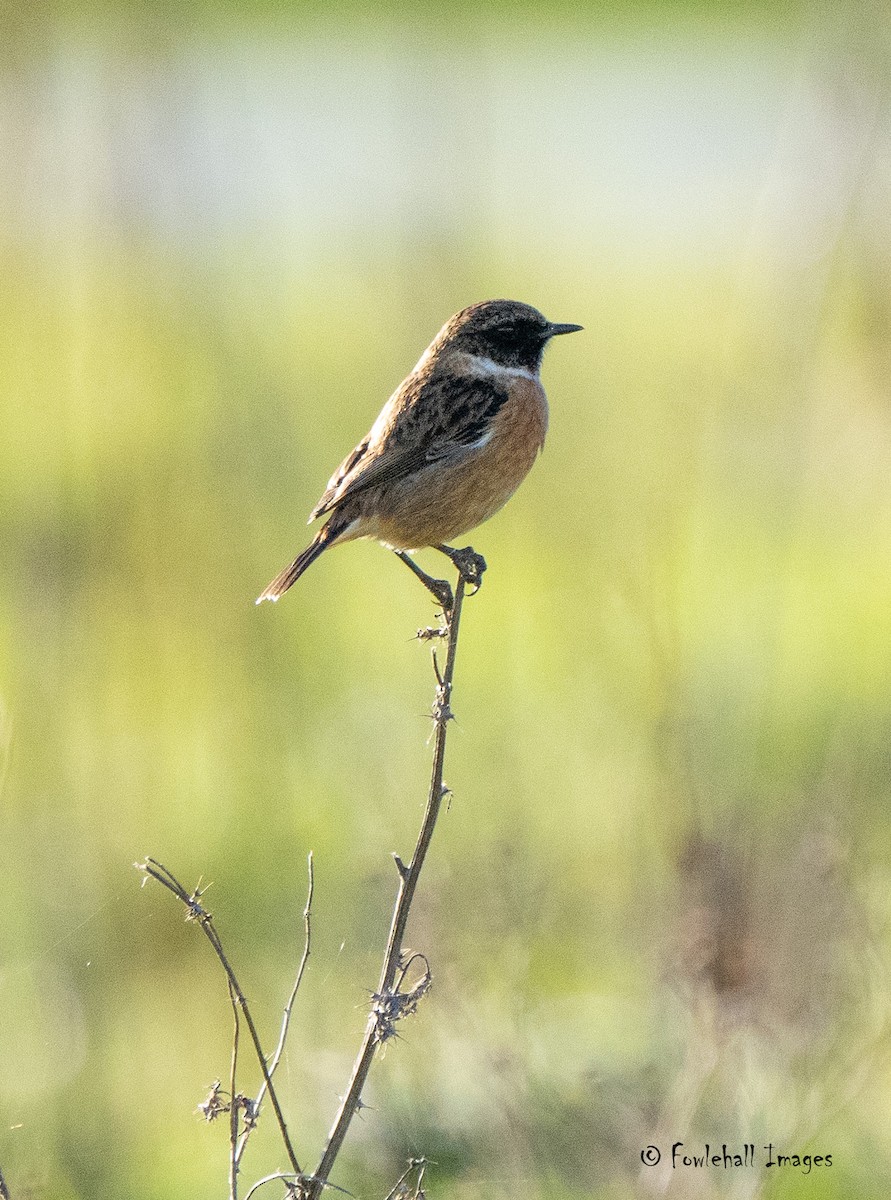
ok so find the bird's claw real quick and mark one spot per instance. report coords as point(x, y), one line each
point(470, 567)
point(442, 590)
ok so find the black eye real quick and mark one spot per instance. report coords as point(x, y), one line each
point(518, 333)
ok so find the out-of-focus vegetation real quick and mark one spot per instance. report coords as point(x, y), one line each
point(657, 909)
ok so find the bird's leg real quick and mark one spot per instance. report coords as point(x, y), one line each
point(470, 564)
point(440, 588)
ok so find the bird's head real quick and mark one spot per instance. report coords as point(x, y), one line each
point(509, 333)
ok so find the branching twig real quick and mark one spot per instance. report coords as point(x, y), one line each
point(197, 912)
point(388, 1003)
point(417, 1167)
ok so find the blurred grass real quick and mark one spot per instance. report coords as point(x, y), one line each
point(665, 869)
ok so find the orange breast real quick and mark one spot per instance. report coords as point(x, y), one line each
point(445, 500)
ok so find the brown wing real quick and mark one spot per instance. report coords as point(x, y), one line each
point(444, 418)
point(352, 460)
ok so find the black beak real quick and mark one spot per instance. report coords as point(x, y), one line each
point(554, 330)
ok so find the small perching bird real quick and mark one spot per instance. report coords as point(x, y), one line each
point(449, 447)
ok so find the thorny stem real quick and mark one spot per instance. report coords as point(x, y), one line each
point(198, 913)
point(408, 881)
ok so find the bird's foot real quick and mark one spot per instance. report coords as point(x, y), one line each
point(440, 588)
point(470, 565)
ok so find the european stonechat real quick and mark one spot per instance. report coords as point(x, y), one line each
point(450, 446)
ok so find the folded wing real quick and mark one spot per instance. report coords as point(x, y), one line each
point(447, 418)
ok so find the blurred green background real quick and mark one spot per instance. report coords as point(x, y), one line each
point(658, 907)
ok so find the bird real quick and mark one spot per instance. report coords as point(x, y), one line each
point(449, 448)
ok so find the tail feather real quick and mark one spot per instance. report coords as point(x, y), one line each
point(292, 573)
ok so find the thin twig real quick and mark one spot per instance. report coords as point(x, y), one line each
point(197, 912)
point(295, 1184)
point(418, 1165)
point(267, 1179)
point(233, 1099)
point(387, 1008)
point(286, 1017)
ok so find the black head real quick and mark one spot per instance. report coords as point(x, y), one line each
point(509, 333)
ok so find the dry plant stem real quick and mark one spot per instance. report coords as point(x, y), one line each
point(417, 1167)
point(408, 881)
point(289, 1006)
point(239, 1001)
point(233, 1100)
point(268, 1179)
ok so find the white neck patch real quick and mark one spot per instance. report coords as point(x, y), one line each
point(487, 366)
